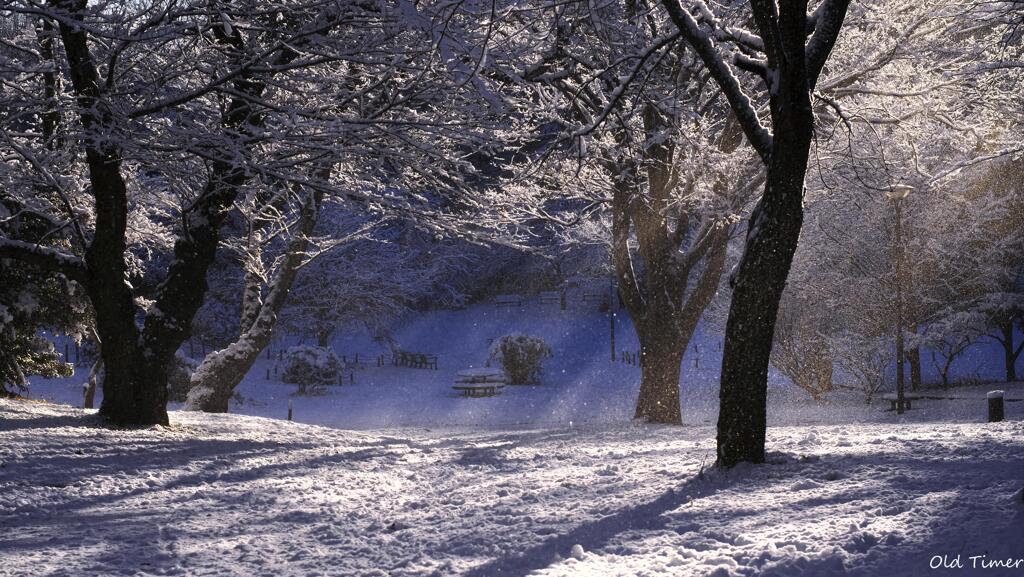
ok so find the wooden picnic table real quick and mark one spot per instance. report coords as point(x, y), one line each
point(907, 398)
point(479, 382)
point(480, 375)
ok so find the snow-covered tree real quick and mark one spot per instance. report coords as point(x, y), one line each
point(195, 102)
point(787, 51)
point(637, 154)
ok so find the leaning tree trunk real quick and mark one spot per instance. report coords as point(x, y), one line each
point(795, 54)
point(772, 235)
point(215, 380)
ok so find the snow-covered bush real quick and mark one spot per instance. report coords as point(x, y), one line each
point(521, 357)
point(306, 365)
point(179, 377)
point(23, 355)
point(801, 351)
point(952, 333)
point(865, 360)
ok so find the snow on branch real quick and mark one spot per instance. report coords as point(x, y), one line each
point(43, 257)
point(828, 20)
point(956, 168)
point(759, 136)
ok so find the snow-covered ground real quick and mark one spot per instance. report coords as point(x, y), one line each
point(397, 475)
point(226, 495)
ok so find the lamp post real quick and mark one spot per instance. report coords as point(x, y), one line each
point(611, 312)
point(897, 194)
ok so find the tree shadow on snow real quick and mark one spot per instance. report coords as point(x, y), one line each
point(594, 535)
point(863, 553)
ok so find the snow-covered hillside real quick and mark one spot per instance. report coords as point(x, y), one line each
point(230, 495)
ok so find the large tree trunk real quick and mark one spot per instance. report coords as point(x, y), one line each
point(661, 353)
point(663, 314)
point(790, 72)
point(772, 235)
point(136, 362)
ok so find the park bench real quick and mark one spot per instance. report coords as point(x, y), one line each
point(508, 301)
point(550, 298)
point(907, 398)
point(481, 382)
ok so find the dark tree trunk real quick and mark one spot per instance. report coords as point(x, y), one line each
point(129, 397)
point(51, 116)
point(1010, 353)
point(322, 338)
point(795, 55)
point(773, 232)
point(914, 358)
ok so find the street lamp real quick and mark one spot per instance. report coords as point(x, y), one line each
point(897, 194)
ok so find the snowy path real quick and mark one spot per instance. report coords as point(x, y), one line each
point(229, 495)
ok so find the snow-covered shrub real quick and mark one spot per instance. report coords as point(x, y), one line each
point(521, 356)
point(179, 377)
point(306, 365)
point(23, 355)
point(864, 359)
point(949, 336)
point(801, 351)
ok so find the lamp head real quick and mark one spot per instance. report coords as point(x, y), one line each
point(899, 191)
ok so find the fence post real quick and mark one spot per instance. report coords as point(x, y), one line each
point(995, 406)
point(289, 409)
